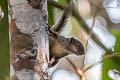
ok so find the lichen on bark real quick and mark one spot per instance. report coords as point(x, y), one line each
point(30, 21)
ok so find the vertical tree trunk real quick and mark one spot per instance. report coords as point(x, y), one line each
point(29, 46)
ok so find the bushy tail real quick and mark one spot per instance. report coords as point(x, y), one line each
point(63, 20)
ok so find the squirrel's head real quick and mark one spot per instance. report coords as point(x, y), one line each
point(75, 46)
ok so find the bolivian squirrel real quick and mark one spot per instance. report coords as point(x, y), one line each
point(61, 46)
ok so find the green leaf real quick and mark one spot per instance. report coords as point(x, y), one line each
point(112, 63)
point(116, 33)
point(109, 64)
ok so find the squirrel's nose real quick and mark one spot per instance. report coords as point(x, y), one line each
point(81, 53)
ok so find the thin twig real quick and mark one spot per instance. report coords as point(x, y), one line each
point(94, 18)
point(77, 70)
point(104, 58)
point(74, 67)
point(92, 66)
point(80, 20)
point(100, 8)
point(76, 14)
point(111, 55)
point(55, 4)
point(81, 73)
point(91, 29)
point(83, 56)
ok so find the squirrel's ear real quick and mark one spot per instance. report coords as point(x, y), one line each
point(71, 40)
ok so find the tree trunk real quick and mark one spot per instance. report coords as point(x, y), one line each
point(29, 44)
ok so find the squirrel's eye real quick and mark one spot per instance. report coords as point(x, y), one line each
point(71, 40)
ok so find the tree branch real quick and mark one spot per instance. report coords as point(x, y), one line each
point(29, 40)
point(104, 58)
point(78, 71)
point(81, 22)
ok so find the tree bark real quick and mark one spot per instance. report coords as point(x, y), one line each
point(30, 21)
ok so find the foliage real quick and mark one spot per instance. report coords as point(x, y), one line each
point(4, 43)
point(112, 63)
point(62, 2)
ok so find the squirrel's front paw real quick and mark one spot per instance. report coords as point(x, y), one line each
point(49, 65)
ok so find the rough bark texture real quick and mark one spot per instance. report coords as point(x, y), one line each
point(32, 22)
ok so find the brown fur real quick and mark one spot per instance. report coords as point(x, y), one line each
point(61, 46)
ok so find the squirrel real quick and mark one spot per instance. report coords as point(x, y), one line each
point(61, 46)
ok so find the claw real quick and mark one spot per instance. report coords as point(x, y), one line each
point(49, 65)
point(48, 27)
point(50, 31)
point(51, 62)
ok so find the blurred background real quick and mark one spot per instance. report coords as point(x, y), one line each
point(97, 26)
point(98, 22)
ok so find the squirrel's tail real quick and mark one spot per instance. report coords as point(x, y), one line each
point(63, 19)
